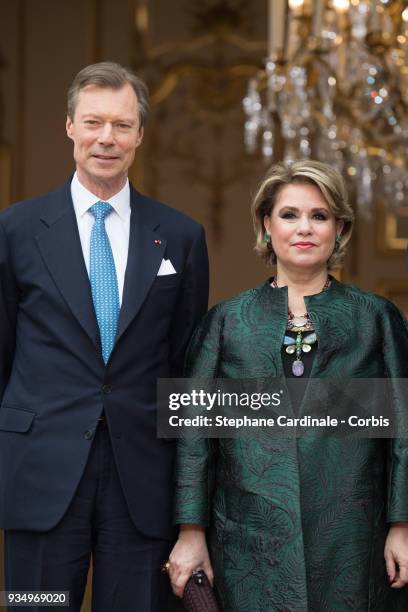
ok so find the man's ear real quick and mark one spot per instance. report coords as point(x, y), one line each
point(140, 137)
point(69, 127)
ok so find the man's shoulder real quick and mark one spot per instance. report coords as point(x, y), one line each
point(26, 210)
point(155, 210)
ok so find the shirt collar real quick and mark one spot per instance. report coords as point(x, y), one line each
point(84, 199)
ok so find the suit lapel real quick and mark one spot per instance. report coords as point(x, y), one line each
point(60, 247)
point(146, 250)
point(61, 250)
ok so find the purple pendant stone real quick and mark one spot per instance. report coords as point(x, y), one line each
point(298, 368)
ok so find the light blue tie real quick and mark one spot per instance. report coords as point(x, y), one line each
point(104, 283)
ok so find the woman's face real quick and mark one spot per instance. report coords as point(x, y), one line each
point(302, 227)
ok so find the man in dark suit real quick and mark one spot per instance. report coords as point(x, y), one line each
point(100, 289)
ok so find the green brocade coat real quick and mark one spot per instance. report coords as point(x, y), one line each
point(299, 524)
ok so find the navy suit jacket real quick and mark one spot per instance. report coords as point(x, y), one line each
point(53, 382)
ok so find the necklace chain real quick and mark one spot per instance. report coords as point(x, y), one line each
point(302, 321)
point(299, 325)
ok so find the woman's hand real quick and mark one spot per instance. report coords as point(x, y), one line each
point(396, 555)
point(189, 553)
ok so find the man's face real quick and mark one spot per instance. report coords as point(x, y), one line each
point(106, 133)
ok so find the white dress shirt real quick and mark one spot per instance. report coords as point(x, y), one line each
point(117, 225)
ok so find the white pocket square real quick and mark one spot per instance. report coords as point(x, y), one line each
point(166, 267)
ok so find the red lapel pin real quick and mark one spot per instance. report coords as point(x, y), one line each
point(157, 241)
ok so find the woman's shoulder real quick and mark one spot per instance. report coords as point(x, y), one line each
point(230, 307)
point(234, 303)
point(370, 301)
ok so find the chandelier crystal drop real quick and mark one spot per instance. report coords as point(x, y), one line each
point(335, 88)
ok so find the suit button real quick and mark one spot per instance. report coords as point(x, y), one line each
point(106, 389)
point(88, 435)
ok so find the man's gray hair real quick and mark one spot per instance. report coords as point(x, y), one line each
point(111, 75)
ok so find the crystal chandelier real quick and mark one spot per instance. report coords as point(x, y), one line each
point(335, 88)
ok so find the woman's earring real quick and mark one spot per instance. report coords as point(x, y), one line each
point(267, 238)
point(337, 243)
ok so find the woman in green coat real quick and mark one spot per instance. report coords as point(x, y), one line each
point(308, 524)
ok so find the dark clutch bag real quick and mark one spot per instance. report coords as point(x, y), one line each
point(198, 594)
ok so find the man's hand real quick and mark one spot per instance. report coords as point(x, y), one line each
point(396, 555)
point(189, 553)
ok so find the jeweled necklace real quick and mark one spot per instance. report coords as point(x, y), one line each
point(299, 344)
